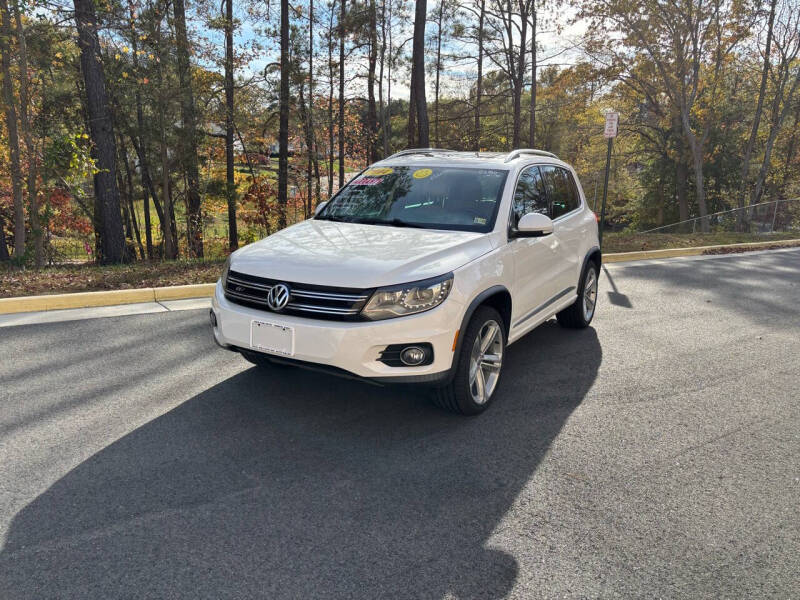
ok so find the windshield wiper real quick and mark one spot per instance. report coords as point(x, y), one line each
point(334, 219)
point(391, 222)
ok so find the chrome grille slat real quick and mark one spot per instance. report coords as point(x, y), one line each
point(328, 296)
point(333, 303)
point(251, 284)
point(324, 309)
point(247, 297)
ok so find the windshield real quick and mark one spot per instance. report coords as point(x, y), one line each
point(427, 197)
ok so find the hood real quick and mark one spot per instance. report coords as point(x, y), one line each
point(358, 255)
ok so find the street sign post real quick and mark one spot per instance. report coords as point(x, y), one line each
point(610, 132)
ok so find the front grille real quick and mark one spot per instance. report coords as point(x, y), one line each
point(305, 300)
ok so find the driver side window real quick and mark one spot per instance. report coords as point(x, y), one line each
point(530, 195)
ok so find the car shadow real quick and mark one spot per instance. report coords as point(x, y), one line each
point(284, 484)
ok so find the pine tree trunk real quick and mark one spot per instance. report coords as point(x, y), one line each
point(436, 140)
point(532, 128)
point(13, 135)
point(188, 139)
point(4, 256)
point(479, 82)
point(230, 183)
point(131, 208)
point(138, 143)
point(519, 80)
point(418, 73)
point(313, 158)
point(30, 149)
point(342, 32)
point(372, 113)
point(412, 111)
point(168, 233)
point(330, 104)
point(108, 218)
point(283, 127)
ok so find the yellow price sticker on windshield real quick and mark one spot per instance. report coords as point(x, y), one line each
point(422, 173)
point(379, 171)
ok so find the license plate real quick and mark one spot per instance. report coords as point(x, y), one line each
point(271, 337)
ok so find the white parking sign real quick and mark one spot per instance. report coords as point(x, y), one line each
point(612, 125)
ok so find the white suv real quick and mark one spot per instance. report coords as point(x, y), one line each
point(421, 270)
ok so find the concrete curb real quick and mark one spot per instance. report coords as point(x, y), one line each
point(696, 251)
point(206, 290)
point(105, 298)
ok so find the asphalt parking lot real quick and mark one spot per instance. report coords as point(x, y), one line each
point(656, 454)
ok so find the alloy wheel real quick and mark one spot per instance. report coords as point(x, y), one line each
point(485, 363)
point(589, 294)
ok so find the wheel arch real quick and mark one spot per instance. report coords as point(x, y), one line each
point(594, 255)
point(499, 298)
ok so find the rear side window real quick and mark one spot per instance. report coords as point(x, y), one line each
point(561, 190)
point(530, 196)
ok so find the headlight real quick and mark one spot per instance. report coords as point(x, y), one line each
point(407, 299)
point(225, 270)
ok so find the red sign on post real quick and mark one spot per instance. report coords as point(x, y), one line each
point(612, 125)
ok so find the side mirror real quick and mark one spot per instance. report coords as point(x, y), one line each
point(319, 208)
point(533, 225)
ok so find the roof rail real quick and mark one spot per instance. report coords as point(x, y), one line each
point(517, 153)
point(419, 151)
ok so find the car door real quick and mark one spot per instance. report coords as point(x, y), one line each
point(537, 260)
point(568, 224)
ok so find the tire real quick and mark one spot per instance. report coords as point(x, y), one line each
point(580, 313)
point(462, 394)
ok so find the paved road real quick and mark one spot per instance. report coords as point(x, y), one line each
point(654, 455)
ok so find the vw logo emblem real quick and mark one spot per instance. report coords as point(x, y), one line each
point(278, 296)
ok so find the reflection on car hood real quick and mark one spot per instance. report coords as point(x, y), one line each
point(358, 255)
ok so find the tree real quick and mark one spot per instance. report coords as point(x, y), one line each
point(785, 76)
point(342, 33)
point(27, 136)
point(107, 217)
point(372, 61)
point(688, 43)
point(748, 149)
point(230, 187)
point(479, 79)
point(283, 132)
point(188, 138)
point(420, 106)
point(13, 134)
point(534, 59)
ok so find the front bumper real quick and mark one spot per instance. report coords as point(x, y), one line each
point(353, 347)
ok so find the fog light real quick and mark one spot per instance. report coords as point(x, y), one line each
point(213, 318)
point(412, 356)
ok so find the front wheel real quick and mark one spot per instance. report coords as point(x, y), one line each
point(480, 361)
point(579, 314)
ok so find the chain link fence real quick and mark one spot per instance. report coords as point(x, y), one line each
point(773, 216)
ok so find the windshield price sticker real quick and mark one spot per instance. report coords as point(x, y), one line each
point(367, 181)
point(422, 173)
point(379, 171)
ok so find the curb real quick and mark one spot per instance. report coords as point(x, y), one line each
point(696, 251)
point(206, 290)
point(105, 298)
